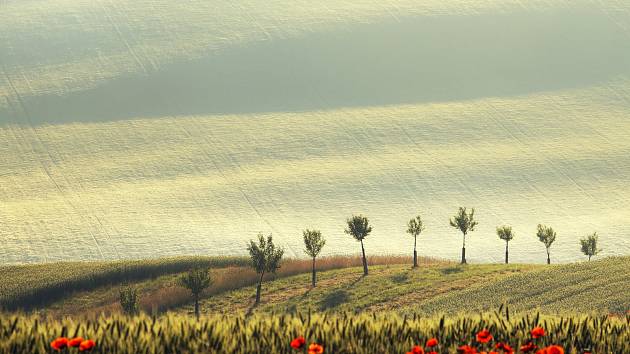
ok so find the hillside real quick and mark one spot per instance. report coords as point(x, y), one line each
point(152, 128)
point(73, 287)
point(392, 286)
point(596, 287)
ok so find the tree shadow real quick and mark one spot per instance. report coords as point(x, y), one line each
point(400, 278)
point(452, 270)
point(334, 299)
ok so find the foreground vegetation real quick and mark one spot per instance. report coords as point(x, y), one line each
point(340, 333)
point(393, 309)
point(29, 286)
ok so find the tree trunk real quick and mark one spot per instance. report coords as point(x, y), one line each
point(258, 288)
point(365, 265)
point(548, 258)
point(589, 258)
point(415, 254)
point(506, 252)
point(464, 250)
point(313, 278)
point(197, 306)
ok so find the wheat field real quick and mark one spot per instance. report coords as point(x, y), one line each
point(150, 128)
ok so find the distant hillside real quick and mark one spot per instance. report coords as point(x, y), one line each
point(151, 128)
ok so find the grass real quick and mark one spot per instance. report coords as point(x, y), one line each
point(594, 287)
point(29, 286)
point(93, 286)
point(392, 286)
point(584, 306)
point(341, 333)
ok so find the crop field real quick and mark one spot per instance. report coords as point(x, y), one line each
point(74, 287)
point(597, 287)
point(133, 129)
point(337, 334)
point(24, 286)
point(582, 307)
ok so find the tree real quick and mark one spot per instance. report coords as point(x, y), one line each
point(505, 233)
point(414, 228)
point(197, 280)
point(265, 258)
point(128, 297)
point(464, 222)
point(359, 228)
point(589, 245)
point(313, 243)
point(547, 236)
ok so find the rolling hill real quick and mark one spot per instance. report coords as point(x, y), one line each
point(437, 287)
point(133, 129)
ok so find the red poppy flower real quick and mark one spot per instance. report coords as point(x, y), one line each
point(417, 350)
point(555, 349)
point(298, 342)
point(87, 345)
point(75, 342)
point(59, 343)
point(505, 347)
point(542, 351)
point(528, 347)
point(315, 349)
point(432, 353)
point(432, 342)
point(484, 336)
point(537, 332)
point(467, 349)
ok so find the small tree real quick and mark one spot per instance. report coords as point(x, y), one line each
point(359, 228)
point(589, 245)
point(547, 236)
point(313, 243)
point(128, 297)
point(464, 222)
point(265, 258)
point(196, 280)
point(414, 228)
point(505, 233)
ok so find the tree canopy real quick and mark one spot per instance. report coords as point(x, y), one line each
point(505, 233)
point(196, 280)
point(546, 235)
point(358, 227)
point(464, 221)
point(415, 226)
point(313, 242)
point(265, 255)
point(589, 245)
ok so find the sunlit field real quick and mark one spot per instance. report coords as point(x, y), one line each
point(336, 334)
point(132, 129)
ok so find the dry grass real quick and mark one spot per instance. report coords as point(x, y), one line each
point(232, 278)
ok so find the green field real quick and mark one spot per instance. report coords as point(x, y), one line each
point(597, 287)
point(583, 306)
point(134, 129)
